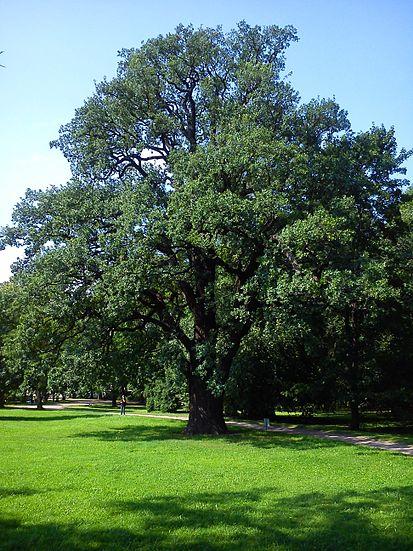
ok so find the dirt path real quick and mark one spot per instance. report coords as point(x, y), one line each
point(406, 449)
point(360, 440)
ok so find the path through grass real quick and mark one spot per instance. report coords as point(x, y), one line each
point(83, 480)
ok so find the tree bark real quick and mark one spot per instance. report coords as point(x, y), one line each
point(355, 415)
point(2, 399)
point(352, 321)
point(206, 411)
point(39, 400)
point(113, 397)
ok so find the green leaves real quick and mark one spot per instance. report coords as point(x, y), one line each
point(207, 203)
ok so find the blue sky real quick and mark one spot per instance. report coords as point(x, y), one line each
point(361, 51)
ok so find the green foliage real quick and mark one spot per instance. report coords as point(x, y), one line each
point(164, 394)
point(166, 387)
point(207, 201)
point(10, 374)
point(252, 391)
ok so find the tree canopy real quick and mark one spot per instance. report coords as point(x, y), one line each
point(208, 204)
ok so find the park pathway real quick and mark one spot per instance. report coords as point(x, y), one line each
point(360, 440)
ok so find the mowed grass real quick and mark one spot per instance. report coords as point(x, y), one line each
point(85, 479)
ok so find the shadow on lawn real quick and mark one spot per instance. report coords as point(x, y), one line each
point(229, 521)
point(259, 439)
point(9, 492)
point(133, 433)
point(402, 430)
point(158, 432)
point(49, 415)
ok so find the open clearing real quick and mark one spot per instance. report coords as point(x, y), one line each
point(81, 479)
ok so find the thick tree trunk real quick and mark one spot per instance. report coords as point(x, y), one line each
point(352, 321)
point(2, 399)
point(206, 411)
point(355, 415)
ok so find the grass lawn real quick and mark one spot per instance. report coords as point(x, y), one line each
point(82, 479)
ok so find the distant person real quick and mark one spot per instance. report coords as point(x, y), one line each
point(123, 405)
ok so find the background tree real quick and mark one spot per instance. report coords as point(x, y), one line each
point(10, 374)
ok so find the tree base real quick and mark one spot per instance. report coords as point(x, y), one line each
point(354, 426)
point(206, 411)
point(205, 426)
point(355, 417)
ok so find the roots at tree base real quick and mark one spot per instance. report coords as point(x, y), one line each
point(205, 425)
point(206, 411)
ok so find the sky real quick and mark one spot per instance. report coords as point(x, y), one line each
point(360, 51)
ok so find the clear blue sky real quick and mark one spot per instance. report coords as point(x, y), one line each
point(361, 51)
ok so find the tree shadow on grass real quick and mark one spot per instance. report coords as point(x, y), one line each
point(174, 431)
point(136, 433)
point(10, 492)
point(269, 440)
point(389, 431)
point(46, 417)
point(380, 425)
point(258, 519)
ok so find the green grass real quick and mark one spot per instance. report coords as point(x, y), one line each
point(373, 426)
point(82, 479)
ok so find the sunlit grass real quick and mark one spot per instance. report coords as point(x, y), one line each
point(82, 479)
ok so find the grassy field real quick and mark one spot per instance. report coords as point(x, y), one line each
point(83, 479)
point(373, 425)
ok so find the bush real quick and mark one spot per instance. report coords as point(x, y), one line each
point(168, 392)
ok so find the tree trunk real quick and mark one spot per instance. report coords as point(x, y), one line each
point(113, 397)
point(39, 400)
point(206, 411)
point(2, 399)
point(355, 415)
point(352, 322)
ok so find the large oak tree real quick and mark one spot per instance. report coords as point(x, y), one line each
point(189, 168)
